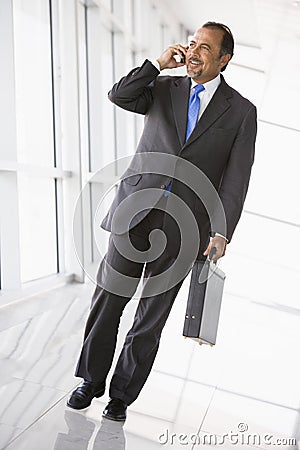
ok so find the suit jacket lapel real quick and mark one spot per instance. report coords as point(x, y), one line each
point(180, 94)
point(216, 107)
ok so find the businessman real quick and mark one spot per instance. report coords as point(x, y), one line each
point(197, 117)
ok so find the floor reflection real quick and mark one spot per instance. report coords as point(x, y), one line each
point(110, 436)
point(40, 340)
point(81, 431)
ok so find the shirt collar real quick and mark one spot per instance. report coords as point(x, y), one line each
point(210, 86)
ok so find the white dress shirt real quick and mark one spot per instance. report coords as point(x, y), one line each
point(205, 97)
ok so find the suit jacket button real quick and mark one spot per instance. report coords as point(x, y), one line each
point(163, 186)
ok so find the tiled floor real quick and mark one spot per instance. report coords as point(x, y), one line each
point(194, 397)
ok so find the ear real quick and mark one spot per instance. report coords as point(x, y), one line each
point(225, 60)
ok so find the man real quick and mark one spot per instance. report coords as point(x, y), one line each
point(198, 118)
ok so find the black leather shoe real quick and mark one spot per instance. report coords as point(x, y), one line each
point(84, 394)
point(115, 410)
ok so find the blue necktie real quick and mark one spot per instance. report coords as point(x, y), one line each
point(194, 106)
point(193, 113)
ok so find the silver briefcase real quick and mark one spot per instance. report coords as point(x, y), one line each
point(204, 302)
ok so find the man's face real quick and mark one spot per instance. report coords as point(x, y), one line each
point(203, 61)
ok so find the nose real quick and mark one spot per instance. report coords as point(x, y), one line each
point(194, 54)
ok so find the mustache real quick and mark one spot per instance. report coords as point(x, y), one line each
point(196, 59)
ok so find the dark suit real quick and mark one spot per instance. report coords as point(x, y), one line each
point(222, 146)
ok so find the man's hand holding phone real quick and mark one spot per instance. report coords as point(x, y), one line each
point(167, 60)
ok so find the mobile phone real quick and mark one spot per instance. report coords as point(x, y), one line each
point(180, 59)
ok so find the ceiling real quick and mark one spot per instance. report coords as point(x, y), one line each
point(267, 38)
point(252, 22)
point(193, 13)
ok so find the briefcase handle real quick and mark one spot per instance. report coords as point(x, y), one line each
point(203, 277)
point(213, 250)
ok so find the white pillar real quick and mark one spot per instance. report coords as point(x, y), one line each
point(9, 218)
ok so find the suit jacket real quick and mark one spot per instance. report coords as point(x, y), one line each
point(221, 145)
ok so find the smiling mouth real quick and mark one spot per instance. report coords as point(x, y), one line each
point(194, 62)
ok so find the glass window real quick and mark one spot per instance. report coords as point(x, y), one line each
point(32, 47)
point(100, 79)
point(118, 8)
point(37, 217)
point(155, 46)
point(107, 4)
point(35, 137)
point(99, 206)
